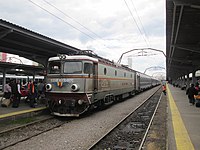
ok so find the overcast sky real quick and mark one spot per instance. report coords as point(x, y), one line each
point(108, 27)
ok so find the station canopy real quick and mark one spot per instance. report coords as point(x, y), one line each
point(28, 44)
point(21, 69)
point(182, 37)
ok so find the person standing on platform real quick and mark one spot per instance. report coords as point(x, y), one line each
point(15, 88)
point(164, 89)
point(19, 91)
point(191, 91)
point(197, 86)
point(24, 85)
point(28, 98)
point(7, 90)
point(40, 89)
point(33, 93)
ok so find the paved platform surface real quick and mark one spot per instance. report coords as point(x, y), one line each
point(23, 109)
point(183, 121)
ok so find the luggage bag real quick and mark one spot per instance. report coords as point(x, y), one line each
point(197, 99)
point(5, 102)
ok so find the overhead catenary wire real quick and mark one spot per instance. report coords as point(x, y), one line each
point(70, 24)
point(72, 19)
point(136, 23)
point(145, 33)
point(62, 20)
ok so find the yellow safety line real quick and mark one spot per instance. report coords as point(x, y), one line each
point(182, 138)
point(21, 112)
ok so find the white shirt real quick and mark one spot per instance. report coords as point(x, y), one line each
point(18, 88)
point(7, 88)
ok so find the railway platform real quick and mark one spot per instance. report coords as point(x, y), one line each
point(23, 111)
point(183, 121)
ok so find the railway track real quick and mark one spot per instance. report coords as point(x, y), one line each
point(131, 131)
point(19, 134)
point(24, 132)
point(4, 131)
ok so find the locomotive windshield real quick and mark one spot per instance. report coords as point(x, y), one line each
point(73, 67)
point(54, 67)
point(70, 67)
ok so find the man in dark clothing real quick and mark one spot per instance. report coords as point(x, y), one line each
point(33, 93)
point(15, 93)
point(40, 89)
point(191, 91)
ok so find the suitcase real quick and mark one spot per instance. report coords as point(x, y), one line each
point(197, 103)
point(5, 102)
point(197, 97)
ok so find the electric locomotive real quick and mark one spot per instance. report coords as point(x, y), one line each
point(77, 82)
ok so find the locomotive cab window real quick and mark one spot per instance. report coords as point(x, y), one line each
point(88, 67)
point(73, 67)
point(54, 67)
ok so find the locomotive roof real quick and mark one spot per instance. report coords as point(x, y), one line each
point(98, 59)
point(94, 58)
point(75, 57)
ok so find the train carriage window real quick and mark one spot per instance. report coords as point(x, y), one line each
point(131, 75)
point(73, 67)
point(88, 68)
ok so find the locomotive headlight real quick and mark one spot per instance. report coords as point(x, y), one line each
point(75, 87)
point(60, 101)
point(48, 87)
point(80, 102)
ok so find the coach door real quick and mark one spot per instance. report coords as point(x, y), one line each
point(137, 81)
point(95, 76)
point(134, 81)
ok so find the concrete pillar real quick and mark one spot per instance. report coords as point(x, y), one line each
point(34, 76)
point(45, 69)
point(194, 80)
point(182, 81)
point(188, 81)
point(179, 82)
point(4, 79)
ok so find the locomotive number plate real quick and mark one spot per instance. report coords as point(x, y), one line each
point(62, 80)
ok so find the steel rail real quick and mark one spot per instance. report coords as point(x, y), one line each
point(92, 146)
point(148, 128)
point(34, 135)
point(26, 125)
